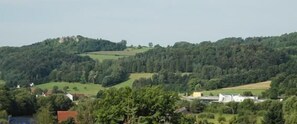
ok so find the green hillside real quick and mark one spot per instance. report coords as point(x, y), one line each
point(132, 78)
point(90, 88)
point(103, 55)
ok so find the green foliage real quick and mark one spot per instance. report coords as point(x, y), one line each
point(247, 105)
point(171, 81)
point(187, 119)
point(5, 99)
point(3, 115)
point(206, 115)
point(244, 118)
point(274, 114)
point(247, 93)
point(231, 63)
point(52, 60)
point(57, 102)
point(68, 121)
point(65, 88)
point(221, 119)
point(24, 102)
point(150, 105)
point(86, 111)
point(44, 115)
point(290, 110)
point(197, 106)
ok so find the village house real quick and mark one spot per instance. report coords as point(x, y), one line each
point(235, 98)
point(64, 115)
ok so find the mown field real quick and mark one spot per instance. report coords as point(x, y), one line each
point(103, 55)
point(255, 88)
point(92, 89)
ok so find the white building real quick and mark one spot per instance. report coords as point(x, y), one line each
point(70, 96)
point(235, 98)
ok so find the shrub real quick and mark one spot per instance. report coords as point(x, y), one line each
point(206, 115)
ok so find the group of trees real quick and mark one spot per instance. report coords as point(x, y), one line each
point(79, 44)
point(124, 105)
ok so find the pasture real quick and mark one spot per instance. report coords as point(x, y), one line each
point(255, 88)
point(132, 78)
point(91, 89)
point(103, 55)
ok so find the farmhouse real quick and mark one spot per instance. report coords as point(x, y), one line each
point(235, 98)
point(64, 115)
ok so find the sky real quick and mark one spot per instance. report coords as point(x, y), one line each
point(164, 22)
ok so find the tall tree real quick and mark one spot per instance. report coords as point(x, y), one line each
point(274, 114)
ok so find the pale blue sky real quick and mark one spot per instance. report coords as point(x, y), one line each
point(162, 22)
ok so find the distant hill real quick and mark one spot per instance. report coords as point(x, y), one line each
point(209, 65)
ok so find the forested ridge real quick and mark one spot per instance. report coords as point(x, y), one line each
point(208, 65)
point(212, 65)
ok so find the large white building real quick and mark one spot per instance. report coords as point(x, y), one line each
point(235, 98)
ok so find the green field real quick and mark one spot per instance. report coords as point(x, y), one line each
point(255, 88)
point(88, 89)
point(91, 89)
point(103, 55)
point(132, 78)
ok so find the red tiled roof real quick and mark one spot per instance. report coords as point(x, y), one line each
point(64, 115)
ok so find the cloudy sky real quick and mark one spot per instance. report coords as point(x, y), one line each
point(162, 22)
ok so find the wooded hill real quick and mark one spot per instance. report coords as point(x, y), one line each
point(181, 67)
point(56, 60)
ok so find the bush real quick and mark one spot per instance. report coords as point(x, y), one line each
point(75, 88)
point(221, 119)
point(261, 113)
point(247, 93)
point(206, 115)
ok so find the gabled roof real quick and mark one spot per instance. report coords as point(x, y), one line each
point(64, 115)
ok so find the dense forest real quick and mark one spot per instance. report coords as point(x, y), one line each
point(212, 65)
point(183, 67)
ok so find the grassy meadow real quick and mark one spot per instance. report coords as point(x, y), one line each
point(255, 88)
point(103, 55)
point(88, 89)
point(132, 78)
point(91, 89)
